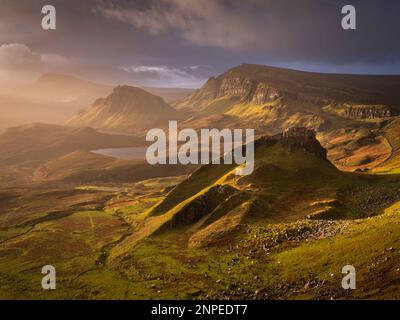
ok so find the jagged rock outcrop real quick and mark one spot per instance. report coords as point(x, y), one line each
point(261, 85)
point(264, 94)
point(367, 112)
point(248, 90)
point(296, 138)
point(232, 85)
point(236, 86)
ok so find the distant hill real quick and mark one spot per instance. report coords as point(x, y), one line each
point(55, 98)
point(127, 109)
point(85, 167)
point(40, 142)
point(40, 153)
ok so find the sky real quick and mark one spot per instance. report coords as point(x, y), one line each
point(181, 43)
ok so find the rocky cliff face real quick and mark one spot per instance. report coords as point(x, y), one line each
point(236, 87)
point(200, 206)
point(261, 85)
point(367, 112)
point(296, 138)
point(264, 93)
point(232, 85)
point(248, 90)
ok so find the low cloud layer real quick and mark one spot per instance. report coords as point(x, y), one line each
point(18, 57)
point(18, 63)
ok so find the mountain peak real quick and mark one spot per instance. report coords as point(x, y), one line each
point(133, 92)
point(126, 109)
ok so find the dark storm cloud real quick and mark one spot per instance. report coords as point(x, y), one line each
point(180, 42)
point(285, 30)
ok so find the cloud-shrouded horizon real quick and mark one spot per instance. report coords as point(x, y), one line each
point(180, 43)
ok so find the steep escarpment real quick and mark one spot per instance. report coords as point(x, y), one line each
point(231, 85)
point(361, 112)
point(248, 90)
point(368, 112)
point(200, 207)
point(260, 84)
point(296, 138)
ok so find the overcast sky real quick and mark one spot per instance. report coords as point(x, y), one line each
point(183, 42)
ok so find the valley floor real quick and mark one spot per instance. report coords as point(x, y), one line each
point(102, 242)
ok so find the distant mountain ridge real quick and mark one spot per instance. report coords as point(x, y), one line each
point(349, 112)
point(261, 84)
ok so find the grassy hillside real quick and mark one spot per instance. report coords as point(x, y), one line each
point(258, 237)
point(121, 229)
point(283, 232)
point(286, 185)
point(391, 133)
